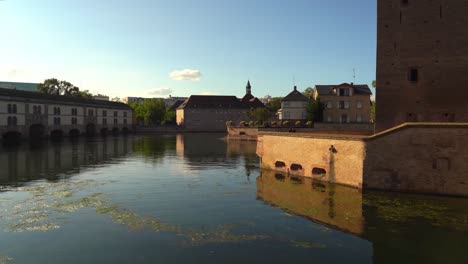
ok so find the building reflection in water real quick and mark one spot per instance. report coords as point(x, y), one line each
point(396, 224)
point(51, 160)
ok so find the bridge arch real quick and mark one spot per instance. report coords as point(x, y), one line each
point(74, 133)
point(104, 131)
point(90, 129)
point(36, 131)
point(11, 137)
point(56, 134)
point(115, 131)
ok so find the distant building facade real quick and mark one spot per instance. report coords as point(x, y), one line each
point(36, 114)
point(210, 113)
point(344, 103)
point(293, 107)
point(31, 87)
point(422, 62)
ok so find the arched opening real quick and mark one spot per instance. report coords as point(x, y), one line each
point(74, 133)
point(115, 131)
point(90, 130)
point(296, 167)
point(280, 164)
point(36, 131)
point(56, 134)
point(280, 177)
point(319, 172)
point(11, 138)
point(104, 132)
point(125, 130)
point(297, 179)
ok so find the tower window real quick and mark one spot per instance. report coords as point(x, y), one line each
point(413, 75)
point(404, 2)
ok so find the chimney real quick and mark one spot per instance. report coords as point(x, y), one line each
point(295, 88)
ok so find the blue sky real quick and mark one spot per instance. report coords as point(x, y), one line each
point(140, 47)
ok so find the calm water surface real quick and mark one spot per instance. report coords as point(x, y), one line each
point(197, 198)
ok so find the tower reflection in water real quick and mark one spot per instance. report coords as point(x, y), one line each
point(396, 224)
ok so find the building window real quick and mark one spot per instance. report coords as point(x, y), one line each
point(359, 119)
point(359, 104)
point(12, 121)
point(115, 121)
point(56, 120)
point(56, 110)
point(329, 119)
point(346, 105)
point(37, 109)
point(104, 113)
point(413, 75)
point(125, 114)
point(125, 121)
point(344, 92)
point(90, 112)
point(12, 109)
point(287, 115)
point(341, 105)
point(344, 119)
point(404, 2)
point(329, 104)
point(115, 113)
point(74, 120)
point(285, 104)
point(74, 111)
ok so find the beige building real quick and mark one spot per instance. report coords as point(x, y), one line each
point(345, 103)
point(210, 113)
point(293, 106)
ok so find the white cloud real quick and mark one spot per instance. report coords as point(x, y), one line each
point(161, 91)
point(186, 75)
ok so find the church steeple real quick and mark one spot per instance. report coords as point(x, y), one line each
point(248, 88)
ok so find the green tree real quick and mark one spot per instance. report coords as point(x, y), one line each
point(259, 114)
point(315, 110)
point(274, 104)
point(170, 117)
point(309, 92)
point(150, 111)
point(374, 84)
point(115, 99)
point(58, 87)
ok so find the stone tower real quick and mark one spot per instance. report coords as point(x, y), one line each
point(422, 62)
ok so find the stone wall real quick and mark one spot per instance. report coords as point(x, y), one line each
point(414, 157)
point(315, 156)
point(425, 158)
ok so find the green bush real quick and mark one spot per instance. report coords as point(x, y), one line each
point(298, 123)
point(229, 123)
point(251, 123)
point(309, 124)
point(286, 123)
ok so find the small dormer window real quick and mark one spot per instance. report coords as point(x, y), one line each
point(344, 92)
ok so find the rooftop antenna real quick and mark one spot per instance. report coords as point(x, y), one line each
point(354, 75)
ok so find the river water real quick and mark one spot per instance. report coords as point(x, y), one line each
point(197, 198)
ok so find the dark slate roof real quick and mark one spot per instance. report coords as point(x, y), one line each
point(358, 88)
point(247, 97)
point(255, 103)
point(212, 101)
point(176, 105)
point(295, 96)
point(26, 95)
